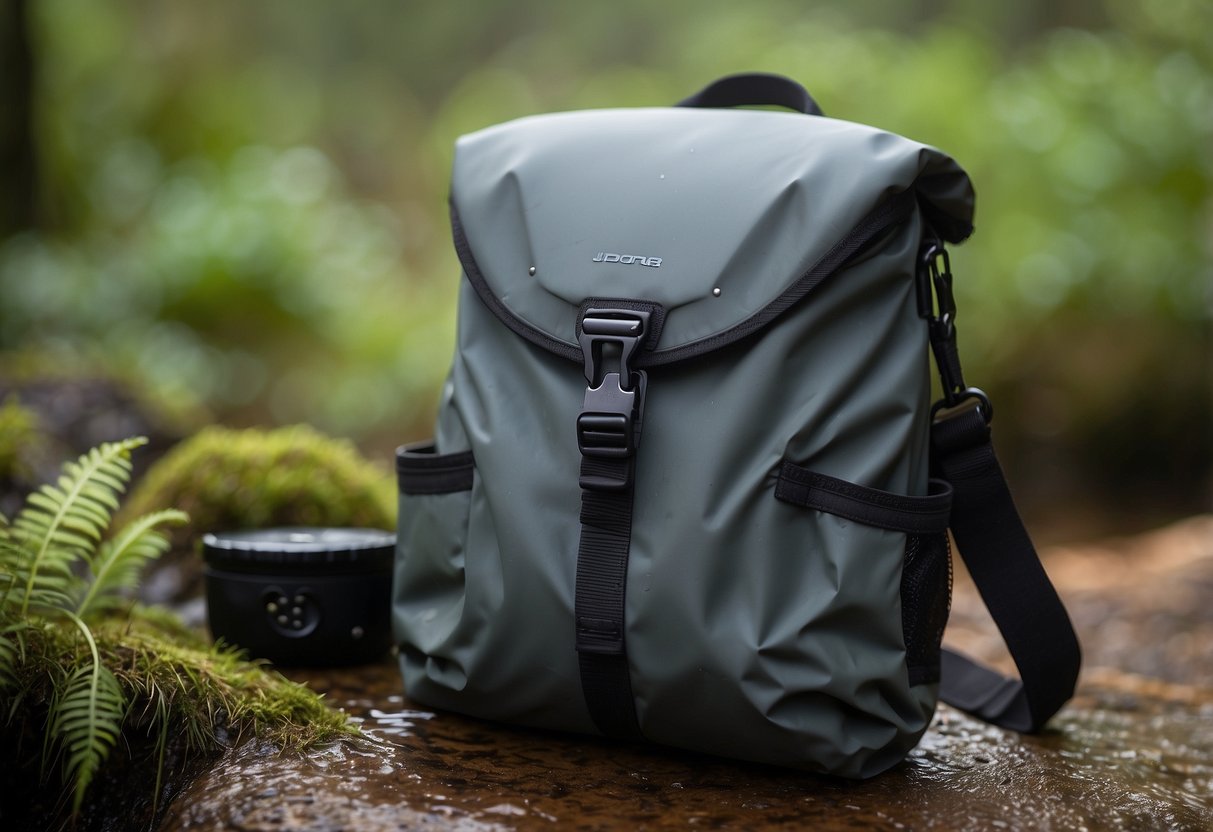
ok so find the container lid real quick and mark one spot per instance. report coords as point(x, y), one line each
point(300, 548)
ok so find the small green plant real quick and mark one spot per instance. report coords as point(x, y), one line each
point(91, 667)
point(57, 571)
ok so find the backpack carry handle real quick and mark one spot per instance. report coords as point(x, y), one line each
point(754, 88)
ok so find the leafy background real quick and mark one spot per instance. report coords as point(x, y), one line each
point(242, 205)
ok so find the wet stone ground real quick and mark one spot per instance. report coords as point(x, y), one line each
point(1134, 750)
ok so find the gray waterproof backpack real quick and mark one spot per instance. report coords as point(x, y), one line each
point(687, 483)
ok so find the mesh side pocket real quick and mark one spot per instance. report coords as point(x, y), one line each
point(926, 597)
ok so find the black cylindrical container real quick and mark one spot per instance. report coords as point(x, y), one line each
point(301, 596)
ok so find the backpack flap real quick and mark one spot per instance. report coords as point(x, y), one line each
point(723, 217)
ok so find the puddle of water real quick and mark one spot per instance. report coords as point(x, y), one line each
point(1108, 762)
point(387, 724)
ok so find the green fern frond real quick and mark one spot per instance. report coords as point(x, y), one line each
point(61, 523)
point(54, 587)
point(86, 717)
point(119, 561)
point(9, 651)
point(11, 554)
point(52, 593)
point(12, 558)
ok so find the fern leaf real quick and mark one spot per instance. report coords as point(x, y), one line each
point(86, 719)
point(113, 481)
point(56, 585)
point(49, 499)
point(49, 596)
point(119, 561)
point(8, 660)
point(12, 558)
point(61, 523)
point(104, 490)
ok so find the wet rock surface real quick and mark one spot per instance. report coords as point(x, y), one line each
point(1142, 605)
point(1132, 751)
point(1119, 757)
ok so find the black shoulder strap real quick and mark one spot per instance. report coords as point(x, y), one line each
point(1007, 571)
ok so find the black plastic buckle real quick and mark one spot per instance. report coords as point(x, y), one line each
point(606, 434)
point(609, 423)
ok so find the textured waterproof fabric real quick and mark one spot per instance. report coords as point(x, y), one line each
point(754, 628)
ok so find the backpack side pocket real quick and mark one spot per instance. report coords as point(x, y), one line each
point(428, 584)
point(926, 576)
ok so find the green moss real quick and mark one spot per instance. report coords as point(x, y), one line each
point(295, 476)
point(170, 672)
point(162, 664)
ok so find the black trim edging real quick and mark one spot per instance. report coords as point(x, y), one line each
point(884, 216)
point(421, 471)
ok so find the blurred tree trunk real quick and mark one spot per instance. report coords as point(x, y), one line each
point(18, 162)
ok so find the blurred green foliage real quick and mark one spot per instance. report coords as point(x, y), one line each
point(247, 202)
point(19, 439)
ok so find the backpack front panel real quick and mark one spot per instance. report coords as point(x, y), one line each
point(778, 626)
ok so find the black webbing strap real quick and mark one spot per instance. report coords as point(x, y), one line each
point(602, 571)
point(1007, 571)
point(608, 430)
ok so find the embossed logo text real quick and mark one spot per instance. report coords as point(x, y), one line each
point(633, 259)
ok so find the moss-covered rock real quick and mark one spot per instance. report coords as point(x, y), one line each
point(188, 701)
point(229, 479)
point(97, 693)
point(57, 406)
